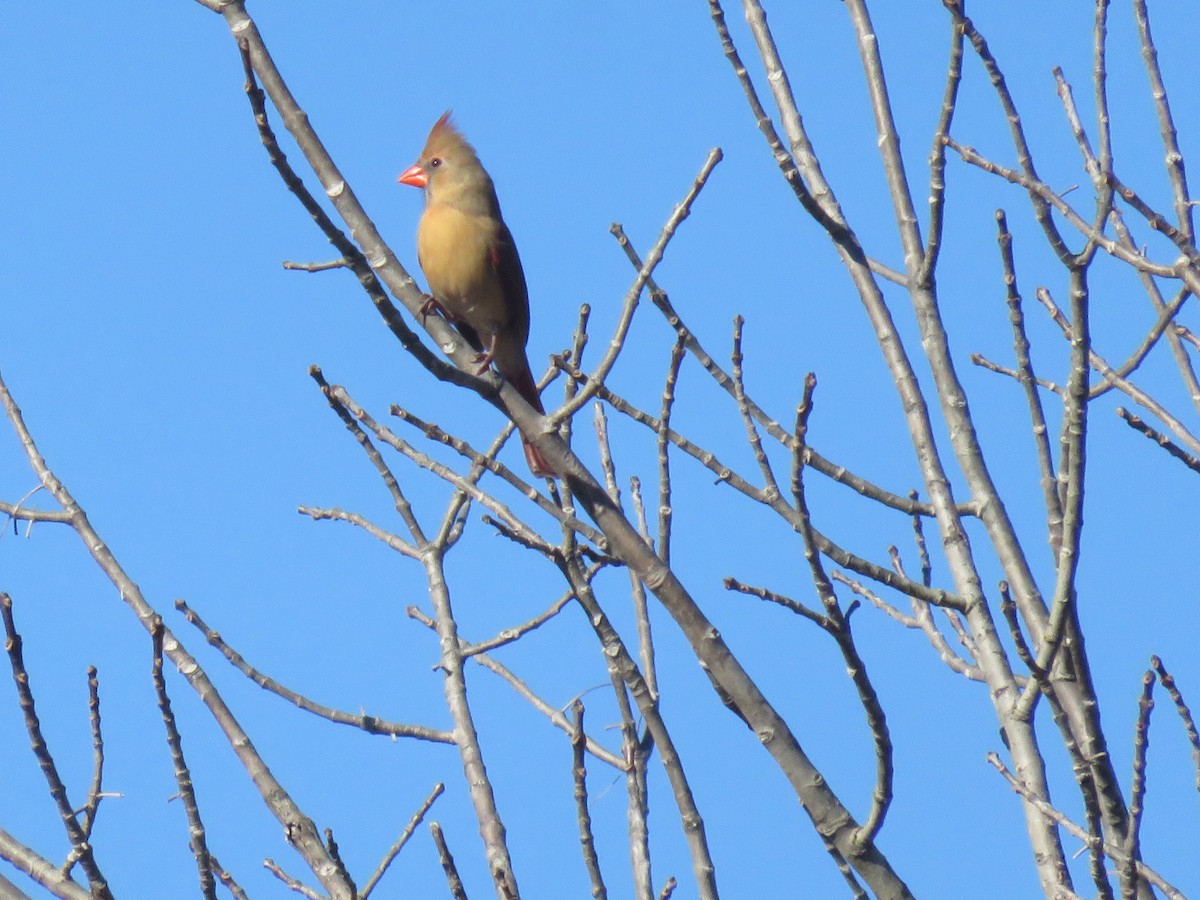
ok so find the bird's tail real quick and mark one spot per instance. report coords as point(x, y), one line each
point(527, 387)
point(537, 463)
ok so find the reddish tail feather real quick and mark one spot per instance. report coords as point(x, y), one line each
point(537, 463)
point(524, 383)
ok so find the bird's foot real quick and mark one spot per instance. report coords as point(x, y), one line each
point(484, 361)
point(431, 305)
point(485, 357)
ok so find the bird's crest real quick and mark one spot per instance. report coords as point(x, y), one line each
point(444, 137)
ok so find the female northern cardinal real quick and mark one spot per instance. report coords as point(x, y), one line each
point(470, 260)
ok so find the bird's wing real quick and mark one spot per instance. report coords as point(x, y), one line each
point(507, 263)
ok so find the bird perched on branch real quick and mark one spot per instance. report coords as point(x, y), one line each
point(470, 261)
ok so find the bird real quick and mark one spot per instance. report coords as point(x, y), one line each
point(471, 263)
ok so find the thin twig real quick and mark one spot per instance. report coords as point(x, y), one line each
point(813, 459)
point(937, 155)
point(453, 881)
point(1030, 382)
point(1041, 204)
point(1072, 470)
point(1015, 374)
point(636, 754)
point(551, 712)
point(17, 512)
point(1097, 362)
point(622, 662)
point(1161, 326)
point(1059, 818)
point(1138, 260)
point(1137, 424)
point(921, 619)
point(1189, 723)
point(653, 258)
point(315, 266)
point(1008, 609)
point(662, 443)
point(918, 528)
point(770, 486)
point(1137, 793)
point(183, 775)
point(726, 475)
point(1175, 332)
point(346, 414)
point(227, 880)
point(1085, 779)
point(587, 839)
point(368, 723)
point(837, 624)
point(508, 635)
point(1166, 122)
point(95, 791)
point(336, 855)
point(395, 849)
point(494, 466)
point(293, 884)
point(799, 163)
point(641, 608)
point(41, 751)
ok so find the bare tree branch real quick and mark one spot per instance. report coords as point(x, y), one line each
point(40, 869)
point(183, 775)
point(587, 839)
point(453, 881)
point(299, 828)
point(405, 835)
point(58, 789)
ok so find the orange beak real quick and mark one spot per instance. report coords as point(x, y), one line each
point(414, 175)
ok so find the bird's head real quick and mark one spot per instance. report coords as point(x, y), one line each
point(449, 171)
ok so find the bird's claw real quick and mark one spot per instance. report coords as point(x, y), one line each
point(431, 305)
point(485, 357)
point(484, 361)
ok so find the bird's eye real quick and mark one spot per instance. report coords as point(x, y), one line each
point(435, 162)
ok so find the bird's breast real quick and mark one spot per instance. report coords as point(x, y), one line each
point(456, 254)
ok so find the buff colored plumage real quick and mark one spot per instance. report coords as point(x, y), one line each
point(471, 263)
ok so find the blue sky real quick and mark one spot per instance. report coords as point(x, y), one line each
point(159, 352)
